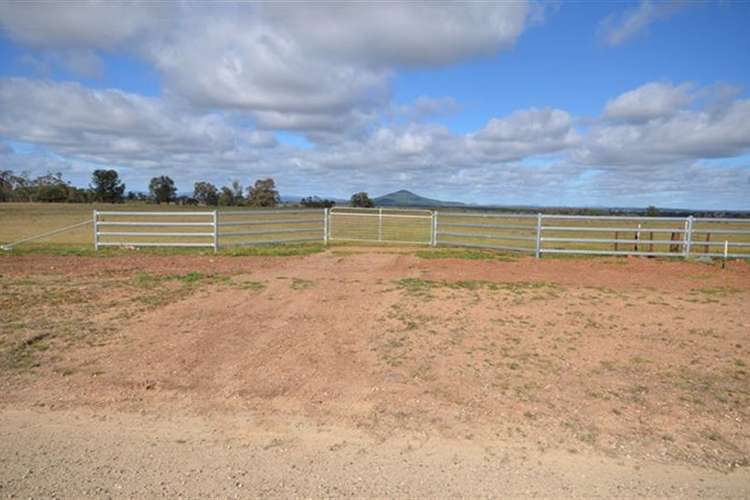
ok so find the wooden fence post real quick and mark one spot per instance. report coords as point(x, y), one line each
point(672, 246)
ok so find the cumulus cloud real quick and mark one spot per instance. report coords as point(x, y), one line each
point(80, 24)
point(616, 29)
point(525, 133)
point(401, 33)
point(655, 128)
point(296, 69)
point(637, 138)
point(649, 101)
point(234, 75)
point(229, 63)
point(106, 125)
point(290, 64)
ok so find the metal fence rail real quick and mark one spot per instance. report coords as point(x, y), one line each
point(596, 235)
point(262, 227)
point(509, 232)
point(207, 229)
point(528, 233)
point(154, 229)
point(644, 236)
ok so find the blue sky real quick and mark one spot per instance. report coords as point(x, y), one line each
point(563, 63)
point(610, 103)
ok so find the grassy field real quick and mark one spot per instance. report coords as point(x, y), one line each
point(21, 220)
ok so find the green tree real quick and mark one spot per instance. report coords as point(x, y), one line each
point(315, 202)
point(237, 189)
point(226, 197)
point(78, 195)
point(21, 188)
point(362, 200)
point(50, 188)
point(7, 184)
point(52, 193)
point(107, 186)
point(652, 211)
point(206, 193)
point(162, 189)
point(263, 194)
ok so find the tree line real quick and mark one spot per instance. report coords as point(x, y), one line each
point(107, 187)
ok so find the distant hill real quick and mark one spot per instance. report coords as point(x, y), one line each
point(404, 198)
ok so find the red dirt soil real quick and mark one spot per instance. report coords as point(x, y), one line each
point(615, 357)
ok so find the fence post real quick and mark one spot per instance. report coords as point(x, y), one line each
point(538, 250)
point(726, 254)
point(380, 224)
point(434, 227)
point(216, 231)
point(325, 226)
point(688, 235)
point(637, 239)
point(95, 219)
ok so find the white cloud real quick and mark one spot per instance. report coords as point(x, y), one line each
point(145, 135)
point(401, 33)
point(80, 24)
point(649, 101)
point(525, 133)
point(663, 135)
point(290, 64)
point(616, 29)
point(106, 125)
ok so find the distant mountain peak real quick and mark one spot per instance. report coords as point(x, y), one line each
point(405, 198)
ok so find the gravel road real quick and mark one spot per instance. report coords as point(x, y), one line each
point(75, 454)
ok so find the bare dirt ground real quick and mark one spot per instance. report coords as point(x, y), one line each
point(373, 372)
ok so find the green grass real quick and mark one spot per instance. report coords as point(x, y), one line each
point(468, 254)
point(22, 355)
point(287, 250)
point(300, 284)
point(420, 286)
point(280, 250)
point(255, 286)
point(148, 279)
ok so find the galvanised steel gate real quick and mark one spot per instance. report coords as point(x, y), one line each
point(207, 229)
point(387, 225)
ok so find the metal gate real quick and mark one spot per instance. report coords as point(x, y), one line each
point(388, 225)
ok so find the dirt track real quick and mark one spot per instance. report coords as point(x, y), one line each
point(533, 369)
point(102, 454)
